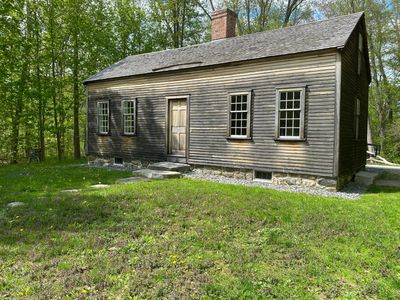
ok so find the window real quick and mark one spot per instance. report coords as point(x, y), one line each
point(360, 53)
point(103, 115)
point(262, 175)
point(118, 161)
point(129, 116)
point(290, 114)
point(239, 115)
point(356, 118)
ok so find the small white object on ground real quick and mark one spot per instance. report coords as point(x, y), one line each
point(99, 186)
point(71, 191)
point(15, 204)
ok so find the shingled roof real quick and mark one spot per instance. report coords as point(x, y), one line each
point(327, 34)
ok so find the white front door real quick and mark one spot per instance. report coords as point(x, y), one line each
point(177, 127)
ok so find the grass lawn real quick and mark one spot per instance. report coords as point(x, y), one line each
point(185, 238)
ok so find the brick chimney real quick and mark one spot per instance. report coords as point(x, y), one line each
point(223, 23)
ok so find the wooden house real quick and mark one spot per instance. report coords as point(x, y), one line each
point(289, 105)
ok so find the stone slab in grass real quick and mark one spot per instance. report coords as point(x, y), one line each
point(131, 179)
point(100, 186)
point(390, 183)
point(15, 204)
point(169, 166)
point(71, 191)
point(157, 174)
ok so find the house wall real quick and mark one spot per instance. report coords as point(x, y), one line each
point(208, 90)
point(352, 153)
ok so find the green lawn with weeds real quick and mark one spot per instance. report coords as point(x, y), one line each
point(190, 239)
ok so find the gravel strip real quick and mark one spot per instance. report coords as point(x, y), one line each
point(351, 192)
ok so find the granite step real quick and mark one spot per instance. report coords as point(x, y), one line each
point(156, 174)
point(365, 177)
point(169, 166)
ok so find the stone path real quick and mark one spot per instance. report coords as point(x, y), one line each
point(163, 170)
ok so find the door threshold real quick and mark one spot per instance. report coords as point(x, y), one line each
point(176, 158)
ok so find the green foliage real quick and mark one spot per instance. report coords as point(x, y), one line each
point(190, 239)
point(47, 47)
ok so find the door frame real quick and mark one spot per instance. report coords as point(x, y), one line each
point(168, 100)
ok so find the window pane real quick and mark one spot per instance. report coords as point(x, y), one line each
point(129, 116)
point(289, 109)
point(238, 115)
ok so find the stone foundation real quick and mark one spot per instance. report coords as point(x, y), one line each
point(278, 178)
point(317, 182)
point(244, 174)
point(309, 181)
point(109, 162)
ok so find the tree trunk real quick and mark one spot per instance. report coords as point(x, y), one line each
point(75, 72)
point(42, 105)
point(16, 117)
point(54, 81)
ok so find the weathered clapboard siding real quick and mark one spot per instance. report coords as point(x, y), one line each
point(352, 154)
point(208, 90)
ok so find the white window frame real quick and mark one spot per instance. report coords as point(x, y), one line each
point(100, 127)
point(278, 109)
point(357, 113)
point(360, 53)
point(124, 131)
point(248, 111)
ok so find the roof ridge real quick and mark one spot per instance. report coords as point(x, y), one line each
point(331, 33)
point(245, 35)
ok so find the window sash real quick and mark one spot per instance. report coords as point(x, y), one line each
point(289, 116)
point(357, 118)
point(239, 115)
point(103, 117)
point(360, 53)
point(128, 108)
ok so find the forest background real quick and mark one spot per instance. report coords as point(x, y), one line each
point(48, 47)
